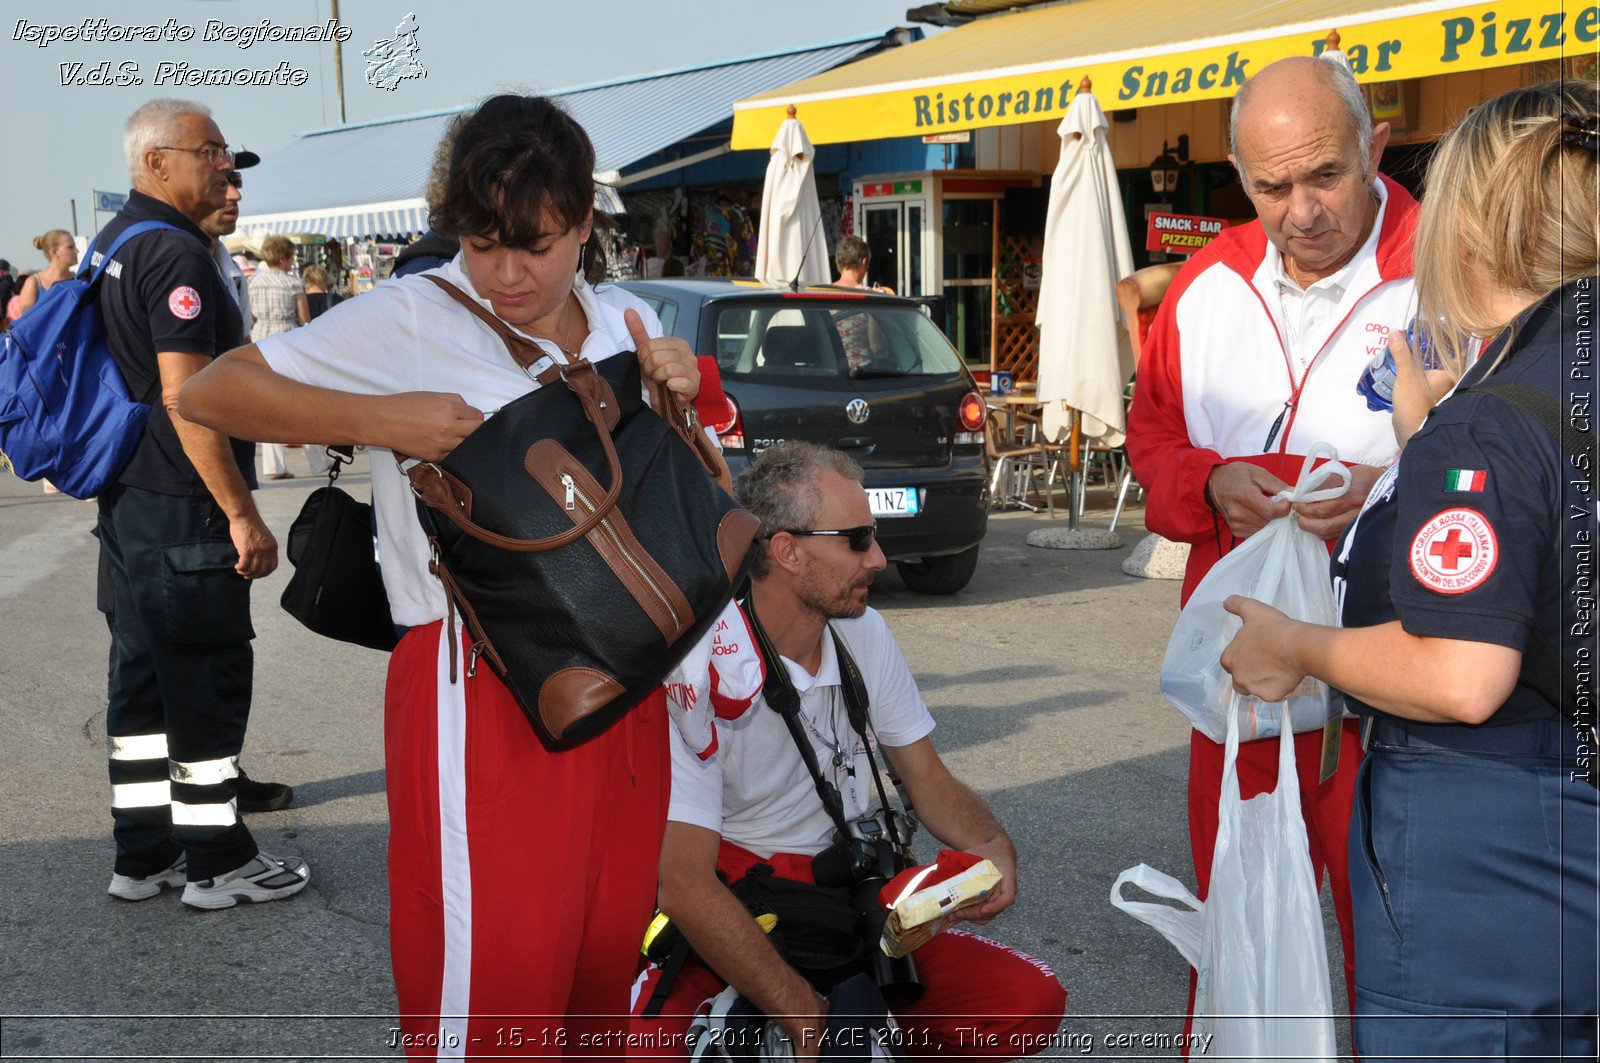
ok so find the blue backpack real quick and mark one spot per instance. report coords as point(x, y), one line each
point(65, 412)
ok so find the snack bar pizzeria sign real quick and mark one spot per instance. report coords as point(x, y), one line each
point(1181, 234)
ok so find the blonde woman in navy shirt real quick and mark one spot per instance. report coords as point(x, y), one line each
point(1465, 643)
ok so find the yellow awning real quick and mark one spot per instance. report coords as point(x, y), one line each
point(1025, 66)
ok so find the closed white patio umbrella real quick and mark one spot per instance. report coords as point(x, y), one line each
point(1085, 359)
point(790, 244)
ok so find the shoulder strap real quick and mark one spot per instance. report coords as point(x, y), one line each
point(857, 703)
point(1545, 409)
point(781, 695)
point(523, 350)
point(138, 228)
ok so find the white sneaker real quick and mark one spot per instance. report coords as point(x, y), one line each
point(264, 878)
point(142, 889)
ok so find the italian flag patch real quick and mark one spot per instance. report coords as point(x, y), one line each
point(1465, 479)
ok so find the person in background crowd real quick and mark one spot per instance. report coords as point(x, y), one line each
point(541, 915)
point(61, 258)
point(8, 286)
point(223, 223)
point(428, 251)
point(1464, 634)
point(319, 299)
point(1254, 358)
point(859, 332)
point(182, 540)
point(753, 802)
point(278, 301)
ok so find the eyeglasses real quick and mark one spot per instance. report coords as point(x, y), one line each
point(213, 154)
point(236, 179)
point(859, 538)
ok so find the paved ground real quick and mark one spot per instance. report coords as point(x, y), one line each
point(1042, 675)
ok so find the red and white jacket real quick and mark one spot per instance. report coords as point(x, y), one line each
point(1216, 376)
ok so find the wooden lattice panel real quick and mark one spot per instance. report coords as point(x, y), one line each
point(1015, 338)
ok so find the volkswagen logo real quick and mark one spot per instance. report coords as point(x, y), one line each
point(857, 411)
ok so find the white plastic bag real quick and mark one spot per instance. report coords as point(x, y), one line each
point(1256, 942)
point(1282, 565)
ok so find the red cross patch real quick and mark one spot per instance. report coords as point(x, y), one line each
point(184, 302)
point(1454, 552)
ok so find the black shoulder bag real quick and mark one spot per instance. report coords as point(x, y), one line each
point(336, 589)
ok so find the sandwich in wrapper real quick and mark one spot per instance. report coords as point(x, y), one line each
point(925, 900)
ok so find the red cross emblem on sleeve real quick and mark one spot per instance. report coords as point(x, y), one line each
point(184, 302)
point(1454, 552)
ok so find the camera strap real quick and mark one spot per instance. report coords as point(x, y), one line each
point(780, 694)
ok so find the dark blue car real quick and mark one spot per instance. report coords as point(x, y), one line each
point(865, 373)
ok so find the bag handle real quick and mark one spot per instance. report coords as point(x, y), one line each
point(679, 413)
point(1182, 929)
point(1309, 487)
point(436, 488)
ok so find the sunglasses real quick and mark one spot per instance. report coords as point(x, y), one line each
point(859, 538)
point(236, 179)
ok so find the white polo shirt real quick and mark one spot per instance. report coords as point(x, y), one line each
point(1307, 316)
point(406, 334)
point(755, 790)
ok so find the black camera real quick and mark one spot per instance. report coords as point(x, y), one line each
point(863, 862)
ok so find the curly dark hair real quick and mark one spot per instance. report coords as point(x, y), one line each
point(498, 169)
point(780, 488)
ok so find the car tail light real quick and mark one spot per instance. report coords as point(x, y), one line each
point(971, 415)
point(973, 412)
point(730, 426)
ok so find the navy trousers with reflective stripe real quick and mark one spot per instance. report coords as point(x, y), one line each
point(180, 668)
point(1475, 891)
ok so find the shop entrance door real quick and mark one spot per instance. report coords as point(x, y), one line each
point(893, 232)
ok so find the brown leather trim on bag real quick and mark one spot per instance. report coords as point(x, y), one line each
point(614, 541)
point(573, 694)
point(736, 531)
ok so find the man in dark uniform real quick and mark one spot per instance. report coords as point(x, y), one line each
point(182, 539)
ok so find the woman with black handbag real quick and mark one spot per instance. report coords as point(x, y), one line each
point(521, 862)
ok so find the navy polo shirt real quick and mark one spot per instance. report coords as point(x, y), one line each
point(164, 292)
point(1464, 538)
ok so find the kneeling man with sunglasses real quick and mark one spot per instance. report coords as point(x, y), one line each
point(789, 799)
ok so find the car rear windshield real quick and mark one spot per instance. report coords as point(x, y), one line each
point(818, 340)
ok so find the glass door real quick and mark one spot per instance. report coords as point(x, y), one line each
point(885, 233)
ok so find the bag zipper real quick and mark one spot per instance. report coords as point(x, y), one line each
point(576, 492)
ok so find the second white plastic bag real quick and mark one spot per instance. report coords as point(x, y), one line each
point(1256, 943)
point(1282, 565)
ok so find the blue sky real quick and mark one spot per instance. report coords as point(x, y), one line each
point(66, 140)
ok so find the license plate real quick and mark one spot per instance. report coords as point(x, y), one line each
point(894, 501)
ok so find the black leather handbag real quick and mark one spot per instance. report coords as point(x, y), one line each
point(583, 539)
point(336, 589)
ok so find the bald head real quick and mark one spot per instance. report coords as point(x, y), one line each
point(1307, 154)
point(1295, 94)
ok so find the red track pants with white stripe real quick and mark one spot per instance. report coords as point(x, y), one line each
point(520, 881)
point(1325, 807)
point(980, 999)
